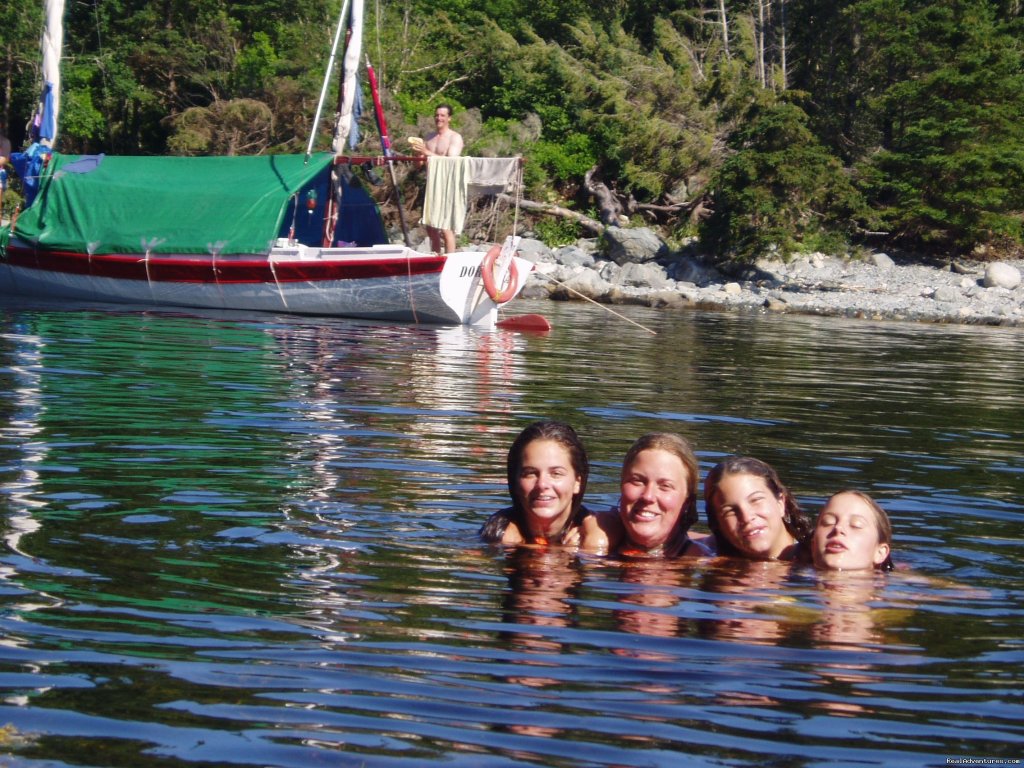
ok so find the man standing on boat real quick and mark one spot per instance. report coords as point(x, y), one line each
point(444, 142)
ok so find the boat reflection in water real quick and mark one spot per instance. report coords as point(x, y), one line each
point(252, 539)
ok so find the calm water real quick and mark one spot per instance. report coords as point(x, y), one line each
point(241, 540)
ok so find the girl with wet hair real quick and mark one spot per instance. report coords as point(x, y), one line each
point(852, 533)
point(658, 499)
point(547, 471)
point(751, 513)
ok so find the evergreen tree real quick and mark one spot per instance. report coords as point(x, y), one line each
point(779, 191)
point(950, 171)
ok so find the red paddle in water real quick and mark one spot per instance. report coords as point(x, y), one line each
point(525, 323)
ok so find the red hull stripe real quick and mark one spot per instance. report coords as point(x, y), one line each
point(184, 269)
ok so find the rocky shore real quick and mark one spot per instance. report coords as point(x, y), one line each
point(633, 266)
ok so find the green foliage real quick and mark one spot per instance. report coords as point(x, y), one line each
point(561, 162)
point(256, 66)
point(81, 122)
point(12, 199)
point(557, 232)
point(236, 127)
point(779, 191)
point(19, 63)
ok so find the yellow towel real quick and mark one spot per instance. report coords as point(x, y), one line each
point(444, 202)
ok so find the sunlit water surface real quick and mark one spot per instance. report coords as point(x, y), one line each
point(251, 540)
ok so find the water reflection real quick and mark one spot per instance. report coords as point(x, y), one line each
point(750, 598)
point(848, 622)
point(251, 540)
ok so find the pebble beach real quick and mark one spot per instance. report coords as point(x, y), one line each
point(637, 268)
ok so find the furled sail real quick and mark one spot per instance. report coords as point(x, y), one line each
point(46, 120)
point(349, 81)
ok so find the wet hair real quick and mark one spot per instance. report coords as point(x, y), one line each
point(793, 517)
point(558, 432)
point(680, 447)
point(882, 523)
point(445, 106)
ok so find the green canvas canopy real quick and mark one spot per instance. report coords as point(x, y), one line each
point(187, 205)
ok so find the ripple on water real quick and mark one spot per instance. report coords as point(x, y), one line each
point(252, 541)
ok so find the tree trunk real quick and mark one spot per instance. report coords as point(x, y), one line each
point(609, 208)
point(782, 44)
point(759, 35)
point(725, 27)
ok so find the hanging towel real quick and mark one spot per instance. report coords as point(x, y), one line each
point(451, 181)
point(444, 202)
point(491, 175)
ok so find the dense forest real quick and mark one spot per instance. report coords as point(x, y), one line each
point(757, 125)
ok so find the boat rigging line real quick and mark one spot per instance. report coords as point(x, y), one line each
point(327, 79)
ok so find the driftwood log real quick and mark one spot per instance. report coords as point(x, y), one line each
point(596, 227)
point(613, 207)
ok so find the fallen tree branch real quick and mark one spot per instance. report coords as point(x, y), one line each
point(674, 208)
point(554, 210)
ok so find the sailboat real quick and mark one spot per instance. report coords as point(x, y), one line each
point(272, 233)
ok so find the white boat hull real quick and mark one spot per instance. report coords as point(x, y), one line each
point(382, 282)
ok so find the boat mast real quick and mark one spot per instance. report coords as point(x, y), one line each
point(52, 43)
point(327, 78)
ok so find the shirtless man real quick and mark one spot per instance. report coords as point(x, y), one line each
point(446, 143)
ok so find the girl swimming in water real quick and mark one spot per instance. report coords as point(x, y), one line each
point(658, 499)
point(751, 513)
point(853, 533)
point(547, 471)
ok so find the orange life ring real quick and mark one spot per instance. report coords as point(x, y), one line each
point(487, 271)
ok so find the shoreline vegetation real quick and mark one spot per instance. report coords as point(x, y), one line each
point(808, 126)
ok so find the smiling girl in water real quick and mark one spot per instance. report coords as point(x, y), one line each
point(751, 513)
point(547, 472)
point(658, 497)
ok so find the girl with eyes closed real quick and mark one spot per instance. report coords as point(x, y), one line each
point(853, 533)
point(751, 513)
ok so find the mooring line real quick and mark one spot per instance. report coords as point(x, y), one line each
point(602, 306)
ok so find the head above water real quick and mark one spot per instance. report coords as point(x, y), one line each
point(792, 518)
point(555, 432)
point(679, 449)
point(852, 532)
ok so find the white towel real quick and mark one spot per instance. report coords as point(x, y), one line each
point(491, 175)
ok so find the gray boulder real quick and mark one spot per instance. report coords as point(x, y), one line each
point(649, 276)
point(634, 246)
point(536, 251)
point(688, 270)
point(586, 282)
point(883, 261)
point(574, 256)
